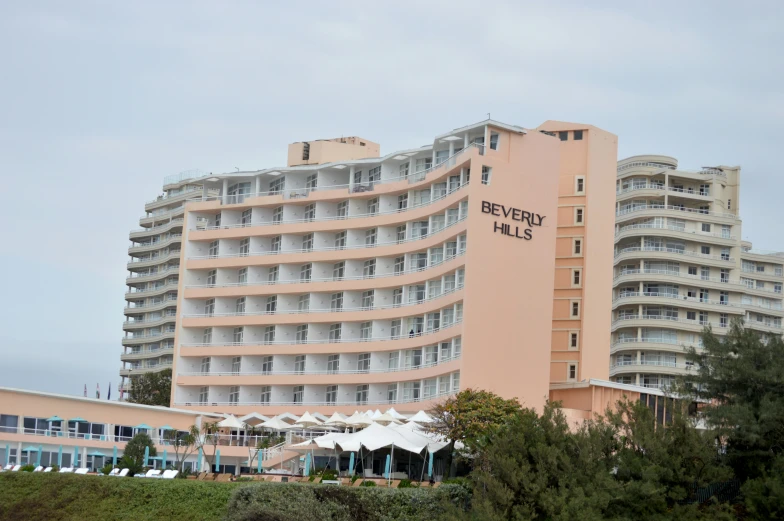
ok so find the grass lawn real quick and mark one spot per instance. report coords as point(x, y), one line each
point(55, 497)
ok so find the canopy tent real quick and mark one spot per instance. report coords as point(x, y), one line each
point(386, 419)
point(275, 424)
point(253, 419)
point(376, 414)
point(307, 420)
point(231, 422)
point(421, 417)
point(336, 420)
point(392, 412)
point(358, 420)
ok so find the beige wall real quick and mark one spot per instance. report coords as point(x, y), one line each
point(327, 151)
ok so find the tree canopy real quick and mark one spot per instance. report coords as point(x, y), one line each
point(134, 449)
point(151, 388)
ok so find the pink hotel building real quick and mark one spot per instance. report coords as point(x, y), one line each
point(349, 280)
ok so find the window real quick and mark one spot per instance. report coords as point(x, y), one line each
point(706, 227)
point(563, 135)
point(576, 274)
point(725, 254)
point(365, 330)
point(579, 185)
point(272, 304)
point(723, 319)
point(705, 250)
point(302, 334)
point(486, 171)
point(335, 331)
point(760, 268)
point(305, 151)
point(575, 309)
point(239, 334)
point(217, 220)
point(239, 305)
point(396, 329)
point(401, 233)
point(307, 242)
point(372, 206)
point(236, 364)
point(400, 265)
point(342, 209)
point(209, 307)
point(305, 272)
point(206, 336)
point(212, 275)
point(204, 393)
point(374, 175)
point(242, 276)
point(493, 141)
point(578, 215)
point(299, 364)
point(363, 362)
point(333, 364)
point(244, 247)
point(272, 275)
point(693, 270)
point(403, 169)
point(303, 302)
point(310, 212)
point(729, 204)
point(275, 244)
point(402, 201)
point(338, 270)
point(577, 246)
point(572, 371)
point(340, 240)
point(205, 364)
point(277, 215)
point(214, 249)
point(362, 394)
point(578, 135)
point(392, 393)
point(266, 394)
point(367, 299)
point(331, 394)
point(704, 189)
point(311, 181)
point(299, 392)
point(246, 217)
point(573, 342)
point(370, 237)
point(369, 268)
point(267, 365)
point(276, 186)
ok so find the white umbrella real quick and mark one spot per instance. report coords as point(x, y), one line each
point(231, 423)
point(358, 420)
point(369, 413)
point(308, 420)
point(336, 419)
point(376, 414)
point(386, 419)
point(421, 417)
point(275, 424)
point(253, 418)
point(392, 412)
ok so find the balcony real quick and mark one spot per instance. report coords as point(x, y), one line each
point(147, 338)
point(153, 260)
point(719, 306)
point(672, 211)
point(664, 321)
point(628, 275)
point(153, 230)
point(130, 325)
point(146, 353)
point(196, 194)
point(149, 292)
point(660, 252)
point(631, 230)
point(151, 306)
point(154, 217)
point(156, 244)
point(650, 344)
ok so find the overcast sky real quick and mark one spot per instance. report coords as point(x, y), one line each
point(100, 100)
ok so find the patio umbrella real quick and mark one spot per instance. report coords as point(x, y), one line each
point(231, 423)
point(54, 419)
point(114, 456)
point(60, 456)
point(275, 424)
point(217, 460)
point(336, 420)
point(166, 428)
point(307, 420)
point(421, 417)
point(258, 463)
point(198, 460)
point(141, 426)
point(358, 420)
point(392, 412)
point(78, 419)
point(38, 460)
point(386, 419)
point(430, 465)
point(376, 414)
point(351, 465)
point(8, 454)
point(75, 462)
point(146, 455)
point(30, 448)
point(388, 466)
point(307, 465)
point(164, 459)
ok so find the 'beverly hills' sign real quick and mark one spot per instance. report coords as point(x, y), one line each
point(527, 220)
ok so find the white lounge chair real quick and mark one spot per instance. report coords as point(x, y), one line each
point(153, 473)
point(16, 468)
point(66, 470)
point(123, 473)
point(83, 470)
point(115, 471)
point(48, 469)
point(39, 468)
point(170, 474)
point(7, 468)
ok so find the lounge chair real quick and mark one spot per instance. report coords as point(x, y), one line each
point(170, 474)
point(115, 471)
point(391, 484)
point(123, 473)
point(200, 476)
point(209, 476)
point(83, 470)
point(358, 482)
point(223, 477)
point(39, 468)
point(7, 468)
point(66, 470)
point(153, 473)
point(48, 469)
point(16, 468)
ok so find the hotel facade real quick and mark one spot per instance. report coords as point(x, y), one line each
point(680, 265)
point(342, 280)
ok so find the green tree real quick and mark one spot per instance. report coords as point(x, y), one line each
point(134, 449)
point(469, 417)
point(183, 443)
point(208, 440)
point(151, 388)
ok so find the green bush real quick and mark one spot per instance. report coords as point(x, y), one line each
point(329, 475)
point(367, 483)
point(405, 483)
point(55, 468)
point(27, 468)
point(354, 478)
point(107, 469)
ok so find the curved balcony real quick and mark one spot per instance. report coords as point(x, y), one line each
point(660, 252)
point(174, 238)
point(648, 344)
point(658, 210)
point(151, 292)
point(155, 306)
point(311, 315)
point(150, 219)
point(330, 254)
point(648, 367)
point(762, 326)
point(140, 263)
point(196, 194)
point(765, 310)
point(147, 353)
point(323, 345)
point(131, 325)
point(677, 277)
point(141, 233)
point(660, 230)
point(328, 284)
point(668, 299)
point(766, 276)
point(152, 368)
point(146, 339)
point(663, 321)
point(344, 377)
point(334, 224)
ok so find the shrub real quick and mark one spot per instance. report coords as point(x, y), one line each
point(133, 466)
point(367, 483)
point(27, 468)
point(55, 468)
point(354, 478)
point(329, 474)
point(107, 469)
point(405, 483)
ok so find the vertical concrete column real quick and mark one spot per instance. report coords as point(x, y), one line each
point(351, 170)
point(84, 457)
point(465, 140)
point(225, 190)
point(258, 185)
point(411, 166)
point(451, 148)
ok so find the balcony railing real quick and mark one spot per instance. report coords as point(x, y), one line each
point(328, 279)
point(644, 164)
point(324, 310)
point(679, 229)
point(343, 217)
point(155, 229)
point(656, 363)
point(632, 209)
point(330, 248)
point(308, 372)
point(174, 195)
point(351, 403)
point(663, 318)
point(327, 340)
point(672, 273)
point(655, 294)
point(162, 302)
point(673, 251)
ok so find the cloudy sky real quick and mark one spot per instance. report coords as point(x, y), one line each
point(101, 100)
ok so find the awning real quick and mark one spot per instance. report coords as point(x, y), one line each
point(54, 419)
point(167, 428)
point(143, 426)
point(30, 449)
point(96, 453)
point(78, 420)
